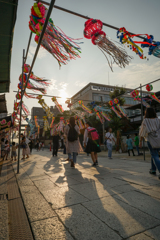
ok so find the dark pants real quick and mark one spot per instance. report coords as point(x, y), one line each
point(129, 152)
point(55, 150)
point(30, 149)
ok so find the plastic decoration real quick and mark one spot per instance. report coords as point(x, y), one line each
point(155, 49)
point(121, 109)
point(18, 96)
point(61, 124)
point(51, 125)
point(105, 116)
point(36, 121)
point(153, 96)
point(84, 107)
point(145, 104)
point(134, 93)
point(100, 118)
point(62, 47)
point(111, 103)
point(30, 85)
point(45, 107)
point(31, 126)
point(81, 126)
point(25, 109)
point(59, 107)
point(46, 124)
point(118, 55)
point(149, 87)
point(69, 103)
point(116, 101)
point(126, 38)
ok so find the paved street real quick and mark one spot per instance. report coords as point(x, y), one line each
point(119, 199)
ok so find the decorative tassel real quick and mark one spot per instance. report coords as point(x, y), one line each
point(84, 107)
point(59, 107)
point(51, 125)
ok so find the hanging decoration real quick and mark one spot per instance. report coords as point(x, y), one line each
point(30, 85)
point(81, 125)
point(42, 81)
point(62, 47)
point(51, 125)
point(106, 116)
point(31, 126)
point(84, 107)
point(36, 121)
point(61, 124)
point(155, 49)
point(145, 104)
point(118, 55)
point(121, 109)
point(100, 118)
point(153, 96)
point(45, 107)
point(25, 109)
point(46, 124)
point(126, 38)
point(134, 93)
point(111, 103)
point(149, 87)
point(59, 107)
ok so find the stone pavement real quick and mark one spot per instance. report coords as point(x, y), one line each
point(118, 199)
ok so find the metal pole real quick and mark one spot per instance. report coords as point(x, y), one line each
point(30, 37)
point(23, 60)
point(103, 133)
point(142, 119)
point(39, 42)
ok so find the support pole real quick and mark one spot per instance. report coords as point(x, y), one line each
point(142, 119)
point(20, 108)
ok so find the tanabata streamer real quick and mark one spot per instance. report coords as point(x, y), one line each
point(126, 38)
point(61, 124)
point(84, 107)
point(46, 124)
point(145, 104)
point(118, 55)
point(81, 126)
point(121, 109)
point(31, 126)
point(134, 93)
point(100, 118)
point(59, 107)
point(153, 96)
point(25, 109)
point(51, 125)
point(111, 103)
point(45, 107)
point(62, 47)
point(36, 121)
point(105, 116)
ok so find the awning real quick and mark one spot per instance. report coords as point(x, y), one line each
point(8, 10)
point(3, 107)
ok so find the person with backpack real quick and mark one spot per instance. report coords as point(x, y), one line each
point(73, 146)
point(150, 130)
point(109, 137)
point(91, 142)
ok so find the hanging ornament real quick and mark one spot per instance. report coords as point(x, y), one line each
point(106, 116)
point(81, 125)
point(155, 49)
point(25, 109)
point(116, 101)
point(46, 124)
point(51, 125)
point(36, 121)
point(84, 107)
point(62, 47)
point(18, 96)
point(111, 103)
point(134, 93)
point(100, 118)
point(118, 55)
point(126, 38)
point(61, 124)
point(149, 87)
point(31, 126)
point(153, 96)
point(59, 107)
point(45, 107)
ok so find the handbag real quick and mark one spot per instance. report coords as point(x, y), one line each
point(154, 137)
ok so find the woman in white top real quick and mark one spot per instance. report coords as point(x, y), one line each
point(150, 124)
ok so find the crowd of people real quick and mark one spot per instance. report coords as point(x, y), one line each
point(70, 142)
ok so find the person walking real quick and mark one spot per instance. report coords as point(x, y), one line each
point(136, 142)
point(37, 145)
point(25, 147)
point(109, 137)
point(150, 130)
point(73, 146)
point(129, 143)
point(55, 143)
point(91, 142)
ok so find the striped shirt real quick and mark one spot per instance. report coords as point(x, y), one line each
point(149, 125)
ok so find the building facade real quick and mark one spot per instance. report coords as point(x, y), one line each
point(100, 93)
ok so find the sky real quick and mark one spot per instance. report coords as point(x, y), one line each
point(136, 16)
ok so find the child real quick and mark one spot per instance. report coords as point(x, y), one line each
point(25, 148)
point(7, 149)
point(13, 154)
point(2, 149)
